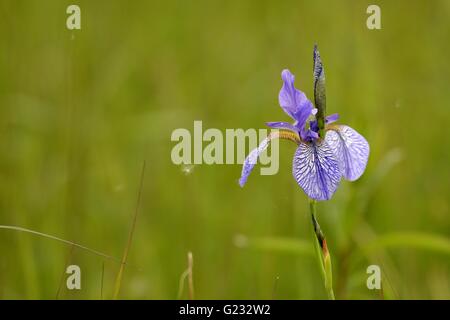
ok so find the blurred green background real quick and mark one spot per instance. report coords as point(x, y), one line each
point(81, 110)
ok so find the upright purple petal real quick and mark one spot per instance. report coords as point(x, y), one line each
point(316, 170)
point(293, 101)
point(282, 125)
point(252, 158)
point(309, 135)
point(351, 150)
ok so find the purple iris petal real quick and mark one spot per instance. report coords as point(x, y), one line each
point(309, 135)
point(293, 101)
point(328, 119)
point(332, 118)
point(316, 170)
point(351, 150)
point(250, 161)
point(282, 125)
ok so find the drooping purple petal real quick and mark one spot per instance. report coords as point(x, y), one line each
point(282, 125)
point(316, 170)
point(293, 101)
point(351, 150)
point(251, 160)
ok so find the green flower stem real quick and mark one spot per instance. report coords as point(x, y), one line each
point(322, 253)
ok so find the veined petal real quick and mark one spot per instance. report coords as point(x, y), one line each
point(316, 170)
point(293, 101)
point(252, 158)
point(351, 150)
point(282, 125)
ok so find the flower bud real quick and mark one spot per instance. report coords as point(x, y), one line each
point(319, 91)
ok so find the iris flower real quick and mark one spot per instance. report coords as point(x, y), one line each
point(326, 151)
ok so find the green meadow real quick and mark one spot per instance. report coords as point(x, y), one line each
point(82, 110)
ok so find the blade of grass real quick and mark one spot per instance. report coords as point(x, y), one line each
point(29, 268)
point(181, 283)
point(101, 284)
point(41, 234)
point(390, 275)
point(130, 237)
point(191, 275)
point(188, 273)
point(416, 240)
point(275, 285)
point(354, 225)
point(356, 214)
